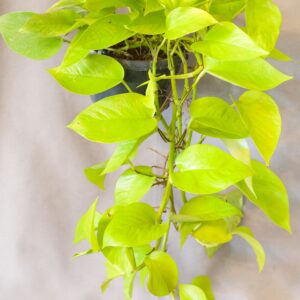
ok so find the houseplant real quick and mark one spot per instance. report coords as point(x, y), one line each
point(133, 235)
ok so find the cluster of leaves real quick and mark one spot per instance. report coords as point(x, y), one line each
point(133, 235)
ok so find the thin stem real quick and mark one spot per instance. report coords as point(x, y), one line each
point(165, 241)
point(127, 86)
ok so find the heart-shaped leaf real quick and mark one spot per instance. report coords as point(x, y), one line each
point(117, 118)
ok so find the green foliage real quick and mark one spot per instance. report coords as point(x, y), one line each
point(269, 194)
point(205, 169)
point(133, 185)
point(212, 116)
point(91, 75)
point(247, 235)
point(261, 114)
point(133, 225)
point(162, 272)
point(131, 235)
point(117, 118)
point(27, 44)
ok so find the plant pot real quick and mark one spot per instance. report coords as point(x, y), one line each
point(136, 72)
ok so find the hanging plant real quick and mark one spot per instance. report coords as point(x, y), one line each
point(132, 61)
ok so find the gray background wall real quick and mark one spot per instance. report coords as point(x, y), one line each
point(43, 190)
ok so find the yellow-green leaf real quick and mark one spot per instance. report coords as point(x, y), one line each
point(95, 175)
point(163, 273)
point(261, 114)
point(185, 20)
point(247, 235)
point(214, 117)
point(213, 233)
point(255, 74)
point(132, 186)
point(191, 292)
point(86, 227)
point(270, 195)
point(133, 225)
point(263, 20)
point(52, 24)
point(226, 41)
point(118, 118)
point(27, 44)
point(206, 169)
point(105, 33)
point(205, 284)
point(91, 75)
point(209, 208)
point(226, 10)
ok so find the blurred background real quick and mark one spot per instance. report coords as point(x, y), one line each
point(43, 191)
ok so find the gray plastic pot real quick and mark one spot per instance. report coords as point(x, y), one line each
point(136, 72)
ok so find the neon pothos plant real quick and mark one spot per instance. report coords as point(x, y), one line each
point(132, 234)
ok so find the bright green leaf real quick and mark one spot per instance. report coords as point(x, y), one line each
point(184, 20)
point(255, 74)
point(112, 272)
point(163, 273)
point(67, 4)
point(86, 227)
point(213, 233)
point(128, 285)
point(191, 292)
point(278, 55)
point(151, 24)
point(239, 149)
point(121, 154)
point(205, 284)
point(95, 175)
point(133, 225)
point(132, 186)
point(263, 20)
point(215, 117)
point(91, 75)
point(74, 54)
point(205, 169)
point(261, 114)
point(117, 118)
point(247, 235)
point(27, 44)
point(51, 24)
point(152, 5)
point(226, 41)
point(270, 195)
point(209, 208)
point(105, 33)
point(226, 10)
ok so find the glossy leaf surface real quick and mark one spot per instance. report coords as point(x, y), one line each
point(209, 208)
point(261, 114)
point(255, 74)
point(226, 41)
point(95, 175)
point(270, 195)
point(133, 225)
point(27, 44)
point(205, 169)
point(104, 33)
point(226, 10)
point(215, 117)
point(86, 227)
point(184, 20)
point(91, 75)
point(163, 273)
point(205, 284)
point(191, 292)
point(151, 24)
point(132, 186)
point(117, 118)
point(51, 24)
